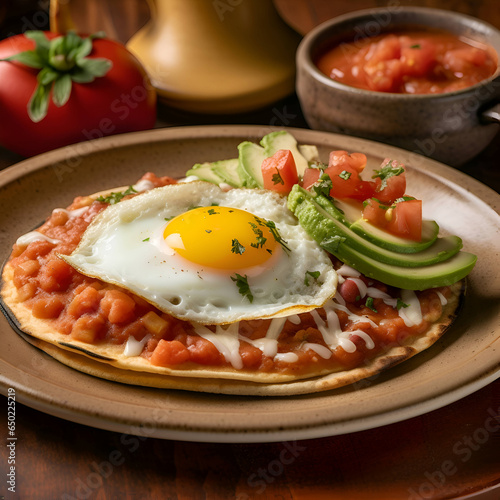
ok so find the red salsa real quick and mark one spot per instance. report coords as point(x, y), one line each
point(413, 62)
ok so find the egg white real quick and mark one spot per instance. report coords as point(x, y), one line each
point(124, 245)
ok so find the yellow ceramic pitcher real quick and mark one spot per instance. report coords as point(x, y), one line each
point(209, 56)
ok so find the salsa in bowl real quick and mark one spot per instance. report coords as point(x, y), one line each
point(405, 76)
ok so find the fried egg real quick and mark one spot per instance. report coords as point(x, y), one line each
point(208, 256)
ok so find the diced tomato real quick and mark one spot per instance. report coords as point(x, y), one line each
point(390, 182)
point(311, 175)
point(203, 352)
point(417, 57)
point(375, 212)
point(364, 190)
point(118, 306)
point(464, 59)
point(55, 275)
point(47, 307)
point(170, 352)
point(85, 301)
point(344, 183)
point(344, 169)
point(385, 76)
point(382, 70)
point(279, 172)
point(342, 160)
point(406, 220)
point(87, 328)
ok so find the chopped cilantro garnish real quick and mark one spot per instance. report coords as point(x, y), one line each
point(208, 231)
point(332, 243)
point(276, 235)
point(390, 169)
point(369, 304)
point(237, 247)
point(113, 198)
point(260, 235)
point(345, 175)
point(212, 211)
point(415, 46)
point(145, 239)
point(312, 274)
point(243, 287)
point(323, 185)
point(277, 179)
point(169, 218)
point(404, 198)
point(400, 304)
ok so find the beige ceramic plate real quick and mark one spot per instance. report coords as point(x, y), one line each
point(466, 359)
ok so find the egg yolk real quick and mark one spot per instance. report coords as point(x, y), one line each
point(221, 237)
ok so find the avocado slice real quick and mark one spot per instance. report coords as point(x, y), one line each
point(412, 278)
point(430, 231)
point(416, 271)
point(204, 172)
point(353, 218)
point(218, 172)
point(228, 171)
point(252, 155)
point(284, 140)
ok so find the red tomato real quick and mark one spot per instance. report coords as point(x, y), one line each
point(344, 169)
point(383, 69)
point(311, 175)
point(342, 159)
point(279, 172)
point(364, 190)
point(121, 101)
point(464, 60)
point(418, 57)
point(406, 220)
point(391, 183)
point(374, 212)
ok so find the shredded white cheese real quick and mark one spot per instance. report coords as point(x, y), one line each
point(134, 347)
point(32, 236)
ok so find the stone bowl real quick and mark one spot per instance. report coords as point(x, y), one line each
point(451, 127)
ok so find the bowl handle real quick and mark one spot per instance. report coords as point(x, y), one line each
point(490, 114)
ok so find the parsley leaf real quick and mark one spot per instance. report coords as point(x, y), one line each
point(369, 304)
point(276, 235)
point(390, 169)
point(332, 243)
point(237, 247)
point(416, 46)
point(323, 185)
point(312, 274)
point(113, 198)
point(404, 198)
point(212, 211)
point(400, 304)
point(260, 235)
point(277, 179)
point(243, 287)
point(345, 175)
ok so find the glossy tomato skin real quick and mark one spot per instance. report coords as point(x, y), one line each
point(121, 101)
point(282, 165)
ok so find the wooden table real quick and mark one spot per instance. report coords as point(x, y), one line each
point(451, 452)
